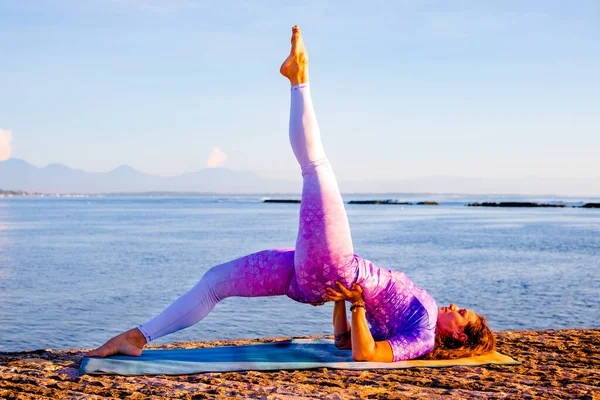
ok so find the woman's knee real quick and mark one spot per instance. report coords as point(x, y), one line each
point(265, 273)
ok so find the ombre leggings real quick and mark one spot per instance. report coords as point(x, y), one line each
point(323, 253)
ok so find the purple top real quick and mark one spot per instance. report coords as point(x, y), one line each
point(398, 310)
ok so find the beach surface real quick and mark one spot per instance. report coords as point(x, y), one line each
point(556, 364)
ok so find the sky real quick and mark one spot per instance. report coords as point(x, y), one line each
point(402, 89)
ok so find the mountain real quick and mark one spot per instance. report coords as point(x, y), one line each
point(16, 174)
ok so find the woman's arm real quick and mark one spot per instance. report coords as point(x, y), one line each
point(364, 347)
point(341, 327)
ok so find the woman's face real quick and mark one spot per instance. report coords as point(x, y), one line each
point(452, 320)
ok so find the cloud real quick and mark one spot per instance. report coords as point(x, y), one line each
point(5, 149)
point(216, 158)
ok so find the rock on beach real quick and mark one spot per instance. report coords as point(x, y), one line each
point(556, 364)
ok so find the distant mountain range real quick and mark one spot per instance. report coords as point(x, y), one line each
point(16, 174)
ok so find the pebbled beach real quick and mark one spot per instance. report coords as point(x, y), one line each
point(556, 364)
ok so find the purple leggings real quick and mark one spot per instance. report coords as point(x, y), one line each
point(323, 254)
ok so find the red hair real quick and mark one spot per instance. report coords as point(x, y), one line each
point(480, 340)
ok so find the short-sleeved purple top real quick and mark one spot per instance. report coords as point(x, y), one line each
point(398, 310)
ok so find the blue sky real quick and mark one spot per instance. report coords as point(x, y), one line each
point(402, 88)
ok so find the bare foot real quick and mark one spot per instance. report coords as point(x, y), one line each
point(295, 67)
point(129, 343)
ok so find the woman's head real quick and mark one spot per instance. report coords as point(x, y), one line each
point(461, 333)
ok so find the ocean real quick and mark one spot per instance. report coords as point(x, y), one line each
point(75, 271)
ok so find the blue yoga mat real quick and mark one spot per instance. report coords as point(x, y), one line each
point(290, 354)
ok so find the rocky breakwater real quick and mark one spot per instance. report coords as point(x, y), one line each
point(527, 204)
point(591, 205)
point(285, 201)
point(516, 204)
point(560, 364)
point(394, 202)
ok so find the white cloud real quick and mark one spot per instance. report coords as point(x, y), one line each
point(216, 158)
point(5, 148)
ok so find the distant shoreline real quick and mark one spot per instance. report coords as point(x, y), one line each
point(278, 198)
point(13, 193)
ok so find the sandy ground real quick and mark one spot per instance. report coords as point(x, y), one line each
point(556, 364)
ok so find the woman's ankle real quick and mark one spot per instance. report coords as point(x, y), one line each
point(136, 335)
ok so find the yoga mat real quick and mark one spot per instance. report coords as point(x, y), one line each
point(290, 354)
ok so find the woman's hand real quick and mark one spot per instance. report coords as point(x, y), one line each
point(352, 295)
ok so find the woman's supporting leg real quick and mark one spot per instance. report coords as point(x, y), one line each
point(324, 251)
point(266, 273)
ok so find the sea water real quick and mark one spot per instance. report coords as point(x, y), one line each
point(76, 271)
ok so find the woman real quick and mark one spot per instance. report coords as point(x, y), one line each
point(405, 321)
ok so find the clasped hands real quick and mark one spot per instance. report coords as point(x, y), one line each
point(352, 295)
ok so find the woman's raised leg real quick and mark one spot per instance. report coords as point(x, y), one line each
point(324, 251)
